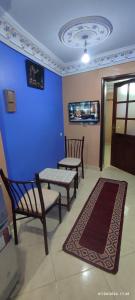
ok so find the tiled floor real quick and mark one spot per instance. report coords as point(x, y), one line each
point(60, 276)
point(107, 155)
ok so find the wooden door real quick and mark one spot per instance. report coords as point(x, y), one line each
point(123, 126)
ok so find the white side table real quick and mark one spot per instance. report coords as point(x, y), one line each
point(62, 178)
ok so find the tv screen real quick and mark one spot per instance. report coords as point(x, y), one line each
point(84, 112)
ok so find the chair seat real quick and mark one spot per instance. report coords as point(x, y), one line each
point(49, 197)
point(70, 161)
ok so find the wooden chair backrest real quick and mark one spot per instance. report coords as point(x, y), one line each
point(74, 147)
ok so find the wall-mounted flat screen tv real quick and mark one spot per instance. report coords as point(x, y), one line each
point(84, 112)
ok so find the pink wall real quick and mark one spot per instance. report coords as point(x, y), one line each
point(87, 86)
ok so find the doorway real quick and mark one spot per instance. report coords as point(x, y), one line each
point(107, 102)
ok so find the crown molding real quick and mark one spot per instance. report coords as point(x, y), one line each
point(108, 59)
point(12, 34)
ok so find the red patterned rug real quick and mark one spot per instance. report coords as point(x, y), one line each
point(96, 234)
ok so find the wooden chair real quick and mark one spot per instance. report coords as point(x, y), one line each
point(73, 155)
point(31, 199)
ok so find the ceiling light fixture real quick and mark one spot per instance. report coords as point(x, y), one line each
point(85, 57)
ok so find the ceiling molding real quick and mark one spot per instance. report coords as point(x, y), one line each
point(12, 34)
point(107, 59)
point(19, 39)
point(93, 29)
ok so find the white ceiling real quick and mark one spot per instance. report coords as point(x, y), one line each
point(44, 18)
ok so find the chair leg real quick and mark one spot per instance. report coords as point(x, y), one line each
point(77, 178)
point(59, 205)
point(15, 229)
point(82, 170)
point(45, 235)
point(75, 186)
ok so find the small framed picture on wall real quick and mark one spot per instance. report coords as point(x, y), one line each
point(35, 75)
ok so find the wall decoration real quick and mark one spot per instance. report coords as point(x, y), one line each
point(35, 75)
point(10, 100)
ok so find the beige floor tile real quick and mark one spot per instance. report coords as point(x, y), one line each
point(84, 286)
point(127, 246)
point(36, 268)
point(62, 230)
point(129, 224)
point(66, 265)
point(124, 280)
point(115, 173)
point(128, 236)
point(30, 233)
point(49, 292)
point(56, 243)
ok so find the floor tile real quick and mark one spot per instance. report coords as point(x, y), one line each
point(84, 286)
point(124, 280)
point(66, 265)
point(36, 268)
point(49, 292)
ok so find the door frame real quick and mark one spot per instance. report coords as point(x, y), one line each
point(103, 81)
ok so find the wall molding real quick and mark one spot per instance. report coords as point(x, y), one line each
point(108, 59)
point(12, 34)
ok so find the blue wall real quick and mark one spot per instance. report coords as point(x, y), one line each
point(31, 135)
